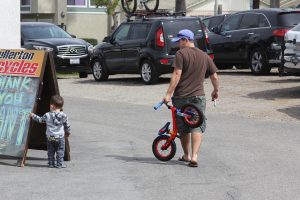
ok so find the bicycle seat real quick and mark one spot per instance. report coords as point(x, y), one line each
point(165, 128)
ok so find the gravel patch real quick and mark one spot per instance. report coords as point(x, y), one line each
point(260, 97)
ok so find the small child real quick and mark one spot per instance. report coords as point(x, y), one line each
point(57, 126)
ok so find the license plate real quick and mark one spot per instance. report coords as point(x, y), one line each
point(74, 61)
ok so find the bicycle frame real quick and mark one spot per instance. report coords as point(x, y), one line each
point(174, 131)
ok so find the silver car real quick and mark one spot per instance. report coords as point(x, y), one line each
point(292, 51)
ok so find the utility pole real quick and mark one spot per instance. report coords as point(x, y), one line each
point(180, 6)
point(274, 4)
point(216, 7)
point(255, 4)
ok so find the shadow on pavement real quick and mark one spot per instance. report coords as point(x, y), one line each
point(293, 111)
point(147, 160)
point(121, 81)
point(13, 161)
point(293, 92)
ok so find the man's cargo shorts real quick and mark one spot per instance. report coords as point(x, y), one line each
point(200, 103)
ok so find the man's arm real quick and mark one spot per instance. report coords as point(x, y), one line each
point(173, 83)
point(215, 82)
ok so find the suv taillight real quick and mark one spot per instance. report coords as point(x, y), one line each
point(280, 32)
point(160, 42)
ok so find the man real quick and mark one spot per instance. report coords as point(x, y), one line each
point(186, 85)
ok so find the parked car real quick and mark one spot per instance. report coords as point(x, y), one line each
point(214, 21)
point(143, 46)
point(252, 38)
point(292, 51)
point(70, 54)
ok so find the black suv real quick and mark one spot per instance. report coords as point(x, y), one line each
point(252, 38)
point(213, 21)
point(143, 46)
point(70, 54)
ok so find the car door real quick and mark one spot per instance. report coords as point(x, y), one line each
point(131, 48)
point(221, 41)
point(244, 37)
point(113, 54)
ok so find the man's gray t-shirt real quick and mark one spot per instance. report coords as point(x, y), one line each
point(195, 64)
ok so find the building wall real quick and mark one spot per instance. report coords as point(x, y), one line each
point(10, 24)
point(228, 6)
point(46, 6)
point(87, 25)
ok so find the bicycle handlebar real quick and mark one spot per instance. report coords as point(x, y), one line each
point(158, 105)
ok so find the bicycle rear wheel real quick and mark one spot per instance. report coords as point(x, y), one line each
point(151, 5)
point(129, 6)
point(195, 116)
point(163, 154)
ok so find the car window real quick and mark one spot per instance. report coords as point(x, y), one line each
point(122, 33)
point(42, 32)
point(231, 23)
point(289, 19)
point(249, 20)
point(139, 31)
point(296, 28)
point(215, 21)
point(263, 22)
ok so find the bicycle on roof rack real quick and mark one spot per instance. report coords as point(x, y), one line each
point(130, 6)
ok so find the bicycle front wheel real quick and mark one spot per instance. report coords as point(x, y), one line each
point(129, 6)
point(151, 5)
point(163, 154)
point(194, 116)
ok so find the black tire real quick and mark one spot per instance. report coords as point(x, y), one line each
point(148, 72)
point(163, 155)
point(129, 6)
point(83, 74)
point(258, 62)
point(151, 7)
point(99, 71)
point(196, 118)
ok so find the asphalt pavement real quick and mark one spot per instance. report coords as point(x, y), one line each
point(111, 158)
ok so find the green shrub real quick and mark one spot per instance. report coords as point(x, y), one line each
point(92, 41)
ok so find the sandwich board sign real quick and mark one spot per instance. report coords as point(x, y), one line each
point(27, 81)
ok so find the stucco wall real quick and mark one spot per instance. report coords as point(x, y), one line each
point(10, 24)
point(87, 25)
point(228, 6)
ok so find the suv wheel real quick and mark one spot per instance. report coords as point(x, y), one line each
point(258, 62)
point(148, 73)
point(83, 74)
point(99, 71)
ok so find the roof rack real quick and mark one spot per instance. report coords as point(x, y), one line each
point(142, 14)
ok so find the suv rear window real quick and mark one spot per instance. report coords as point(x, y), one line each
point(171, 29)
point(289, 19)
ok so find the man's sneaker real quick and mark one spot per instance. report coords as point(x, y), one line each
point(51, 166)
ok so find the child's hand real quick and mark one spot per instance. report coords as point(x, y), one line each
point(67, 134)
point(31, 114)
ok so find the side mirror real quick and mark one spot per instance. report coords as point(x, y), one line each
point(73, 36)
point(215, 30)
point(107, 39)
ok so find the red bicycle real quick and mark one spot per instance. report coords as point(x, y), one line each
point(164, 146)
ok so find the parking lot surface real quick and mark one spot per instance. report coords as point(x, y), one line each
point(250, 150)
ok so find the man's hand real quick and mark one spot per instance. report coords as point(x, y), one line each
point(214, 95)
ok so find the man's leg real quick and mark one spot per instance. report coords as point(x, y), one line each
point(196, 142)
point(185, 143)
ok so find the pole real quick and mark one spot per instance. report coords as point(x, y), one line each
point(180, 6)
point(216, 7)
point(274, 4)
